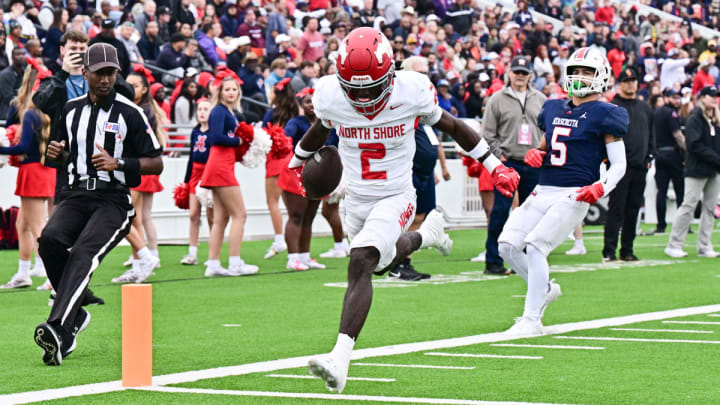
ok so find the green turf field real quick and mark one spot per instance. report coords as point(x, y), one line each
point(278, 314)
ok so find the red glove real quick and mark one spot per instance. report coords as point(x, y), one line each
point(534, 157)
point(505, 180)
point(590, 194)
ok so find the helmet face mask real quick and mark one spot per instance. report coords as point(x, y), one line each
point(365, 70)
point(580, 85)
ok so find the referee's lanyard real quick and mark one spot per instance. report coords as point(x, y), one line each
point(524, 136)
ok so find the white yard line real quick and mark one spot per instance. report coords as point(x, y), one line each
point(483, 355)
point(709, 342)
point(549, 346)
point(693, 322)
point(662, 330)
point(294, 362)
point(341, 397)
point(312, 377)
point(413, 366)
point(715, 315)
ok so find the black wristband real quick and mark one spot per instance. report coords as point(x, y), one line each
point(132, 166)
point(484, 156)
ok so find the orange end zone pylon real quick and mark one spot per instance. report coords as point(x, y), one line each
point(136, 335)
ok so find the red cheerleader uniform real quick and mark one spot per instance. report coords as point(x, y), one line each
point(35, 180)
point(149, 183)
point(220, 168)
point(197, 171)
point(273, 167)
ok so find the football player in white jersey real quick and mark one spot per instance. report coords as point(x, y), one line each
point(375, 112)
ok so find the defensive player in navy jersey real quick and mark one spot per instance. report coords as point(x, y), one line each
point(579, 134)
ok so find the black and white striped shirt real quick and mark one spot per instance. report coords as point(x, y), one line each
point(117, 124)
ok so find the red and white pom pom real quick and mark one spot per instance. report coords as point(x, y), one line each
point(13, 137)
point(281, 143)
point(4, 142)
point(181, 194)
point(257, 151)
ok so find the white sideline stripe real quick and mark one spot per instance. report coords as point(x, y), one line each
point(294, 362)
point(518, 296)
point(413, 366)
point(232, 325)
point(715, 315)
point(662, 330)
point(312, 377)
point(549, 346)
point(694, 322)
point(709, 342)
point(305, 395)
point(482, 355)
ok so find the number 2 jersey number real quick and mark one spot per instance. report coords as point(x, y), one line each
point(371, 151)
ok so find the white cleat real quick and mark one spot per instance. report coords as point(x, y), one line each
point(128, 262)
point(552, 295)
point(296, 265)
point(577, 251)
point(674, 252)
point(38, 271)
point(46, 286)
point(275, 249)
point(189, 260)
point(433, 233)
point(708, 253)
point(327, 368)
point(217, 272)
point(243, 269)
point(480, 258)
point(130, 276)
point(335, 254)
point(525, 327)
point(17, 281)
point(313, 264)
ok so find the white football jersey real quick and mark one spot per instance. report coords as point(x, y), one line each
point(377, 154)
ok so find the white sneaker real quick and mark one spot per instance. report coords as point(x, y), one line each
point(708, 253)
point(550, 296)
point(525, 327)
point(674, 252)
point(147, 266)
point(313, 264)
point(217, 272)
point(327, 368)
point(480, 258)
point(433, 233)
point(335, 254)
point(130, 276)
point(274, 249)
point(38, 271)
point(243, 269)
point(17, 281)
point(296, 265)
point(45, 286)
point(577, 251)
point(189, 260)
point(128, 262)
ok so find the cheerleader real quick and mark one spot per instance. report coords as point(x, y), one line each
point(219, 176)
point(35, 181)
point(284, 108)
point(199, 151)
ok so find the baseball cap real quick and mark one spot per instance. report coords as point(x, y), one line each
point(628, 74)
point(282, 38)
point(411, 39)
point(441, 48)
point(670, 93)
point(163, 10)
point(711, 91)
point(325, 30)
point(673, 52)
point(443, 82)
point(493, 55)
point(191, 71)
point(452, 75)
point(483, 77)
point(101, 55)
point(242, 40)
point(128, 24)
point(432, 17)
point(520, 64)
point(409, 10)
point(108, 23)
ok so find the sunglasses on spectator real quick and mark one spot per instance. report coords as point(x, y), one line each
point(522, 73)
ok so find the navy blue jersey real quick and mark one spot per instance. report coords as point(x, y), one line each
point(199, 149)
point(575, 139)
point(297, 126)
point(222, 127)
point(425, 154)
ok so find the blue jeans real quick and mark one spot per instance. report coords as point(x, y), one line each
point(529, 178)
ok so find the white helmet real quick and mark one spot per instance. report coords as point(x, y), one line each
point(591, 58)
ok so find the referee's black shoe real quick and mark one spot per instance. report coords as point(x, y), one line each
point(494, 269)
point(49, 339)
point(82, 320)
point(92, 299)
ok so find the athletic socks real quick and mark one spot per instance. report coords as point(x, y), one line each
point(342, 245)
point(579, 244)
point(538, 279)
point(304, 257)
point(154, 252)
point(235, 261)
point(279, 239)
point(213, 264)
point(24, 268)
point(343, 348)
point(192, 251)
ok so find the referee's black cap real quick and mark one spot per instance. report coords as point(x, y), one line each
point(101, 55)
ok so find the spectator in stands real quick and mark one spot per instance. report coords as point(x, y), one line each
point(34, 49)
point(149, 44)
point(253, 82)
point(541, 63)
point(284, 50)
point(4, 61)
point(172, 56)
point(254, 31)
point(616, 57)
point(522, 15)
point(703, 78)
point(183, 111)
point(305, 76)
point(196, 59)
point(18, 13)
point(278, 71)
point(14, 38)
point(10, 80)
point(302, 10)
point(365, 17)
point(205, 38)
point(107, 35)
point(127, 29)
point(311, 45)
point(46, 15)
point(184, 15)
point(672, 70)
point(147, 15)
point(165, 24)
point(236, 57)
point(276, 25)
point(51, 50)
point(229, 21)
point(459, 15)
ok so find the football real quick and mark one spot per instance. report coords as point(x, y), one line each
point(322, 173)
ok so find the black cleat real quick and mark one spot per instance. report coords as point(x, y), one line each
point(49, 340)
point(629, 258)
point(659, 231)
point(82, 320)
point(408, 273)
point(609, 258)
point(495, 269)
point(92, 299)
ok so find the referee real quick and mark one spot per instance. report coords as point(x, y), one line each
point(107, 144)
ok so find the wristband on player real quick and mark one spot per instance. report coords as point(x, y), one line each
point(302, 153)
point(131, 166)
point(482, 152)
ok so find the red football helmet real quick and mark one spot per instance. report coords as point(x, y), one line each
point(365, 69)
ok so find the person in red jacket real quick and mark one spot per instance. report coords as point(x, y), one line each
point(703, 77)
point(605, 13)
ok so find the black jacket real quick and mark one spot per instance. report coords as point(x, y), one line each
point(703, 158)
point(640, 138)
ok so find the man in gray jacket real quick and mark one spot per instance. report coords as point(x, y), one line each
point(510, 128)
